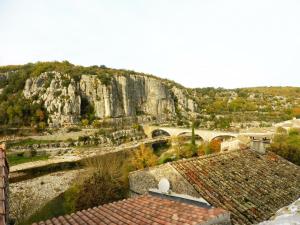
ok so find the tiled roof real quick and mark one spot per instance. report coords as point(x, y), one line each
point(145, 209)
point(3, 187)
point(249, 185)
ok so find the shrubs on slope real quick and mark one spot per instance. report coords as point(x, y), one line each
point(287, 145)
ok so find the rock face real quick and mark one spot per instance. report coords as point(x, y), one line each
point(123, 96)
point(59, 95)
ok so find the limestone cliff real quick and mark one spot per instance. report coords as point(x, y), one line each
point(122, 96)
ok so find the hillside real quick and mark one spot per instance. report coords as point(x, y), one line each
point(60, 93)
point(246, 107)
point(57, 93)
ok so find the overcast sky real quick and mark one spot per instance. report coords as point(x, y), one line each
point(198, 43)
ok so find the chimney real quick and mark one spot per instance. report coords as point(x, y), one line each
point(258, 146)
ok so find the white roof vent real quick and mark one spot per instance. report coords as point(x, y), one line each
point(164, 185)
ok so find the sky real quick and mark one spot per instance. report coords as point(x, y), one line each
point(197, 43)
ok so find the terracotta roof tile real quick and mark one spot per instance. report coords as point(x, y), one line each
point(249, 185)
point(145, 209)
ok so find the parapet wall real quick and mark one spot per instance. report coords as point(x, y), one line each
point(142, 180)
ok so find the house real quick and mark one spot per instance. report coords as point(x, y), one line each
point(251, 185)
point(153, 208)
point(4, 170)
point(241, 142)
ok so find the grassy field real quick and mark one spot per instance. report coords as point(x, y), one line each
point(18, 159)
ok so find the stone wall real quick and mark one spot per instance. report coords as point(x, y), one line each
point(114, 138)
point(4, 186)
point(142, 180)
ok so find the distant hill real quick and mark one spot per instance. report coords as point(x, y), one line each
point(275, 91)
point(264, 105)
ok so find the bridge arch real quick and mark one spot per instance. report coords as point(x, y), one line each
point(159, 132)
point(189, 134)
point(223, 137)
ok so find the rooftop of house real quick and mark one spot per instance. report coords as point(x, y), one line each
point(144, 209)
point(250, 185)
point(3, 187)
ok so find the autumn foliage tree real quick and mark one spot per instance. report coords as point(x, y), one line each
point(215, 145)
point(204, 149)
point(143, 157)
point(207, 148)
point(296, 112)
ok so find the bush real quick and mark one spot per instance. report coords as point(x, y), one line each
point(204, 149)
point(108, 182)
point(137, 126)
point(105, 78)
point(73, 129)
point(143, 157)
point(96, 124)
point(190, 150)
point(42, 125)
point(85, 122)
point(182, 149)
point(287, 145)
point(167, 157)
point(84, 138)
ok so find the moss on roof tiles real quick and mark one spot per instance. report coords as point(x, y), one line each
point(250, 185)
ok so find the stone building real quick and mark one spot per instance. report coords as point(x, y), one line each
point(249, 184)
point(4, 170)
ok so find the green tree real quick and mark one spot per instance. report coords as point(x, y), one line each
point(85, 122)
point(10, 112)
point(193, 138)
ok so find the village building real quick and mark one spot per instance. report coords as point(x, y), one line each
point(240, 142)
point(4, 170)
point(251, 185)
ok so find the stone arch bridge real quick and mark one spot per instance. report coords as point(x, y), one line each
point(205, 135)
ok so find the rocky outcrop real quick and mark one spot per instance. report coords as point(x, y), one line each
point(123, 96)
point(127, 96)
point(58, 93)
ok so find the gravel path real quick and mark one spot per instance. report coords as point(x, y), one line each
point(40, 163)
